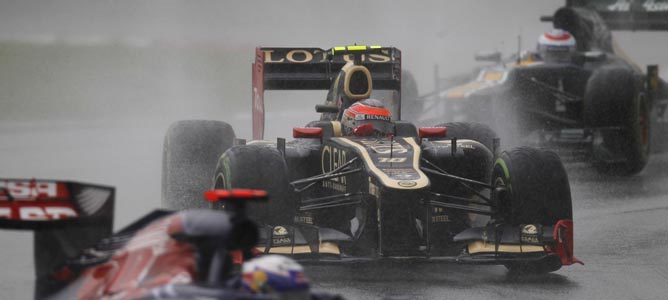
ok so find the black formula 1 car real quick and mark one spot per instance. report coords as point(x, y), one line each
point(601, 107)
point(440, 193)
point(163, 255)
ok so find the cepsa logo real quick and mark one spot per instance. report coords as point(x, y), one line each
point(314, 55)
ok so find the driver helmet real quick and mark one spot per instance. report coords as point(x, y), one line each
point(275, 275)
point(369, 111)
point(556, 46)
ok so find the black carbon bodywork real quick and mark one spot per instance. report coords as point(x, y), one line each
point(382, 204)
point(531, 102)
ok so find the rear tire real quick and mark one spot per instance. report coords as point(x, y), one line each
point(537, 192)
point(258, 166)
point(190, 152)
point(471, 131)
point(613, 99)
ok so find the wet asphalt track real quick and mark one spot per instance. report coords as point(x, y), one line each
point(621, 234)
point(621, 225)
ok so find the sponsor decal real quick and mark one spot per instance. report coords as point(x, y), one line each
point(401, 174)
point(362, 117)
point(280, 230)
point(37, 213)
point(529, 234)
point(530, 229)
point(391, 159)
point(331, 184)
point(280, 236)
point(332, 158)
point(384, 147)
point(648, 5)
point(304, 219)
point(653, 6)
point(407, 183)
point(461, 144)
point(314, 55)
point(371, 149)
point(31, 190)
point(440, 219)
point(281, 241)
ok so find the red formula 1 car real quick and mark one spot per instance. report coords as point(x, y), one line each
point(163, 255)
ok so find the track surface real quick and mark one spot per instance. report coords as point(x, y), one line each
point(87, 90)
point(621, 224)
point(621, 235)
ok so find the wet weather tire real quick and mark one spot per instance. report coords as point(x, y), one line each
point(536, 192)
point(613, 100)
point(536, 184)
point(259, 166)
point(190, 152)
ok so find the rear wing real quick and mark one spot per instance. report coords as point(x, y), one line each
point(48, 204)
point(66, 216)
point(315, 69)
point(628, 14)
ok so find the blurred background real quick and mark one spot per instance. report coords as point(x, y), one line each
point(88, 88)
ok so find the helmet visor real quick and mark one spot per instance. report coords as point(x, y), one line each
point(381, 127)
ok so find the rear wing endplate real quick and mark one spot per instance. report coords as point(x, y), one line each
point(628, 14)
point(314, 69)
point(66, 216)
point(47, 204)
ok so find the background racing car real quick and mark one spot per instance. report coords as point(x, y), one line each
point(598, 106)
point(343, 195)
point(191, 254)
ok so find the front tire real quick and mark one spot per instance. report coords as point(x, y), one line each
point(190, 152)
point(258, 166)
point(536, 192)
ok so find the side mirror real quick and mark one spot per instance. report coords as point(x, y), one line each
point(235, 195)
point(493, 56)
point(307, 132)
point(323, 108)
point(432, 132)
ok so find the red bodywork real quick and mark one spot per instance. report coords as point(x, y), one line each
point(306, 132)
point(563, 237)
point(432, 132)
point(258, 95)
point(150, 259)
